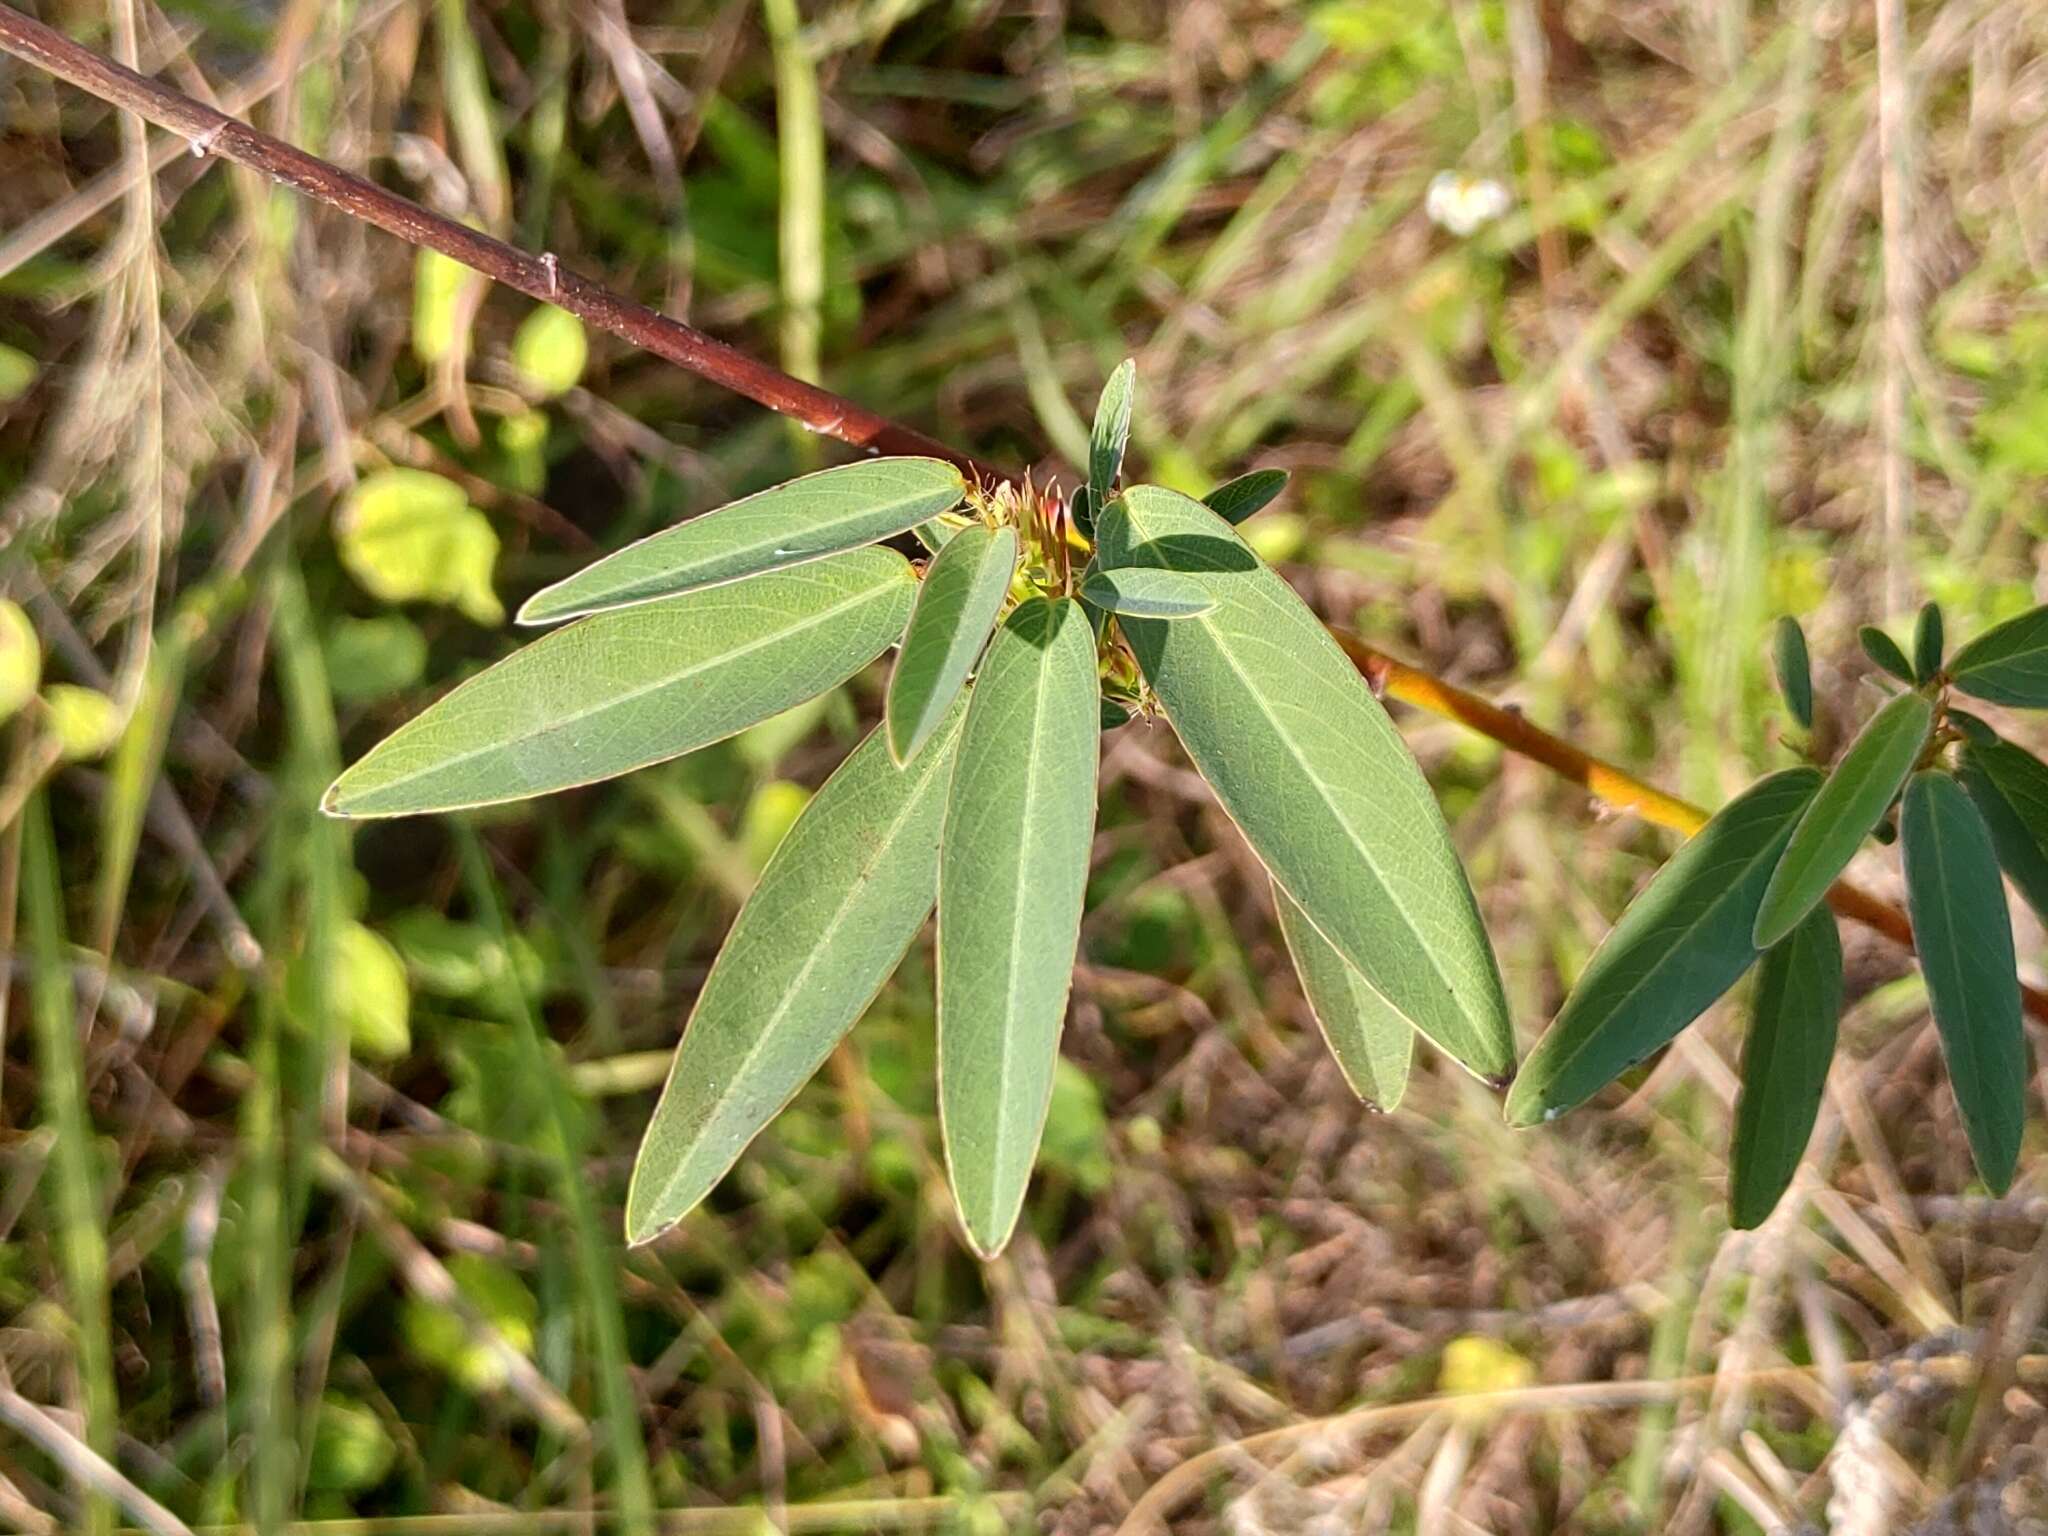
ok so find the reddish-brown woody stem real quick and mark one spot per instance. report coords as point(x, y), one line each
point(541, 277)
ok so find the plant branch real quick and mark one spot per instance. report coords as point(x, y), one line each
point(1602, 780)
point(544, 278)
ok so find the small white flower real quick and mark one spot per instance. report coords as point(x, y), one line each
point(1462, 204)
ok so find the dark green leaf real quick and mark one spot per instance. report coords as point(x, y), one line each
point(1927, 643)
point(1964, 934)
point(1236, 500)
point(1973, 729)
point(1784, 1064)
point(1114, 714)
point(1144, 593)
point(2008, 663)
point(1682, 943)
point(1306, 762)
point(624, 689)
point(2010, 787)
point(836, 907)
point(1849, 805)
point(1013, 866)
point(803, 520)
point(1373, 1043)
point(1112, 433)
point(1795, 671)
point(1884, 652)
point(956, 611)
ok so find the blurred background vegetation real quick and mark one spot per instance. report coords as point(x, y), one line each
point(1758, 328)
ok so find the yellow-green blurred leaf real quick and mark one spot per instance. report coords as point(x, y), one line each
point(550, 350)
point(84, 721)
point(771, 811)
point(351, 1447)
point(365, 986)
point(17, 373)
point(21, 658)
point(410, 536)
point(437, 284)
point(440, 1335)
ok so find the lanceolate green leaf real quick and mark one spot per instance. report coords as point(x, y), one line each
point(1853, 801)
point(1784, 1064)
point(956, 611)
point(1374, 1045)
point(1144, 593)
point(1795, 671)
point(1236, 500)
point(836, 907)
point(803, 520)
point(1927, 643)
point(1682, 943)
point(1884, 652)
point(1306, 762)
point(1964, 935)
point(1111, 434)
point(1013, 866)
point(2010, 787)
point(622, 690)
point(2008, 663)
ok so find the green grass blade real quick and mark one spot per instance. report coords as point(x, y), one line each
point(797, 522)
point(1236, 500)
point(836, 907)
point(2010, 787)
point(1849, 805)
point(622, 690)
point(1308, 765)
point(1885, 654)
point(77, 1206)
point(1112, 433)
point(1142, 593)
point(1784, 1064)
point(1373, 1043)
point(1013, 867)
point(1964, 934)
point(597, 1263)
point(1927, 643)
point(1682, 943)
point(1795, 670)
point(957, 607)
point(2008, 663)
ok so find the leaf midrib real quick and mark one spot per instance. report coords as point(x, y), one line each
point(1208, 625)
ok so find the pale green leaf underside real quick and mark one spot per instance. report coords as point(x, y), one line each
point(836, 907)
point(1013, 868)
point(1308, 765)
point(624, 689)
point(2010, 787)
point(1964, 934)
point(799, 521)
point(1141, 592)
point(1849, 805)
point(2008, 663)
point(1784, 1064)
point(1682, 943)
point(1374, 1045)
point(957, 606)
point(1236, 500)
